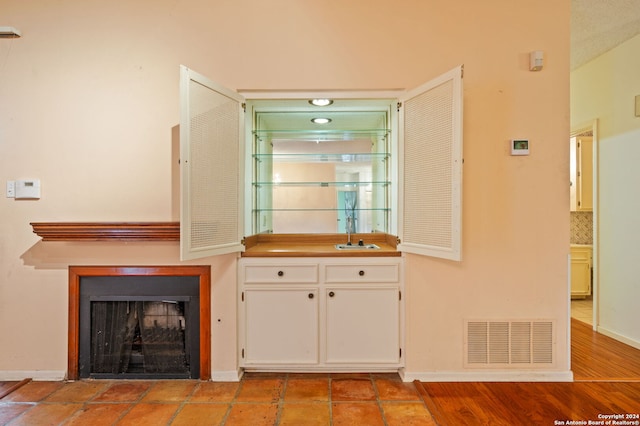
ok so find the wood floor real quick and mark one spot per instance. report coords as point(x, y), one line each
point(607, 382)
point(595, 356)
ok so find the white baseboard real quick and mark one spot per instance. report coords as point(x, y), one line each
point(619, 337)
point(490, 376)
point(226, 376)
point(36, 375)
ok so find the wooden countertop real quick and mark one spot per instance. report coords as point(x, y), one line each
point(318, 245)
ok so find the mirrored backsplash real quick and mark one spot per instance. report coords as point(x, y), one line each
point(581, 228)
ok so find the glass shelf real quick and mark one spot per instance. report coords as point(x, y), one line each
point(320, 210)
point(322, 158)
point(322, 135)
point(322, 184)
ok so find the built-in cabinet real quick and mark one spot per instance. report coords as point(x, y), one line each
point(320, 314)
point(257, 162)
point(581, 266)
point(581, 173)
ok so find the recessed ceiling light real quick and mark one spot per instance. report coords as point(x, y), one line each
point(320, 102)
point(321, 120)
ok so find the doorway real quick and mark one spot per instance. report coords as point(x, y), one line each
point(583, 168)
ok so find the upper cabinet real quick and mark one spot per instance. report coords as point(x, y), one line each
point(581, 173)
point(276, 163)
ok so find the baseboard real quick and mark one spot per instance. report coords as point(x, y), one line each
point(226, 376)
point(619, 337)
point(36, 375)
point(490, 376)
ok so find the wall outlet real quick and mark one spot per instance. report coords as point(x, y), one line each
point(11, 189)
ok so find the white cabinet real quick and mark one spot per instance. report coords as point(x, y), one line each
point(281, 326)
point(320, 314)
point(581, 263)
point(362, 325)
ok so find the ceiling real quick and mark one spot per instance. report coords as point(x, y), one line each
point(597, 26)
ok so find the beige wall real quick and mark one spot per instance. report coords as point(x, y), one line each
point(605, 90)
point(89, 101)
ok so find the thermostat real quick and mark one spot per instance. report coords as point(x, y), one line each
point(28, 189)
point(519, 146)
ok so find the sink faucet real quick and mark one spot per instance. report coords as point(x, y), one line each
point(349, 226)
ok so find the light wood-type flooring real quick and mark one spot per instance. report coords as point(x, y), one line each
point(606, 383)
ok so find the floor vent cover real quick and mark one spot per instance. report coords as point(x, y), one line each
point(509, 343)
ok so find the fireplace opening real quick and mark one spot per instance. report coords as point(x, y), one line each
point(139, 327)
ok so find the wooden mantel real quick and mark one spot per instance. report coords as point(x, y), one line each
point(107, 231)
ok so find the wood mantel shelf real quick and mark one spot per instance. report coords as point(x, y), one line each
point(107, 231)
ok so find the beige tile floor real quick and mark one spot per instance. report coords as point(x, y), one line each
point(582, 309)
point(257, 400)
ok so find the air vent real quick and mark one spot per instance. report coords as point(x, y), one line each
point(509, 343)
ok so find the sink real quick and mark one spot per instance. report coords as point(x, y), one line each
point(357, 247)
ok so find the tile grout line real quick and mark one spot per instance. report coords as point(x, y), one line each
point(232, 402)
point(184, 402)
point(330, 399)
point(83, 404)
point(283, 392)
point(133, 404)
point(378, 402)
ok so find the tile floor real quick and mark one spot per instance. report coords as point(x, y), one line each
point(582, 309)
point(258, 399)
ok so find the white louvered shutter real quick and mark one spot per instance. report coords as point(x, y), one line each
point(431, 168)
point(211, 159)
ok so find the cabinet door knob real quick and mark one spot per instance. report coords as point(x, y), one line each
point(280, 273)
point(331, 294)
point(361, 273)
point(310, 295)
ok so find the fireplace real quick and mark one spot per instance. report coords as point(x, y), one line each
point(139, 322)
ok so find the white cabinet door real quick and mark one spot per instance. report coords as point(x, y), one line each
point(281, 326)
point(581, 271)
point(211, 167)
point(430, 168)
point(362, 325)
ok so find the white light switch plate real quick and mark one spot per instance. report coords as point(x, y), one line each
point(11, 189)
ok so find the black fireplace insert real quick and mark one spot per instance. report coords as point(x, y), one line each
point(139, 327)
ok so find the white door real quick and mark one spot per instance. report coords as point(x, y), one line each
point(211, 167)
point(281, 326)
point(430, 168)
point(363, 325)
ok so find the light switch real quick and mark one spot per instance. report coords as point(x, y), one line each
point(11, 188)
point(28, 189)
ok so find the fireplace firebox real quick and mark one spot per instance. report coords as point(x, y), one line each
point(139, 327)
point(139, 323)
